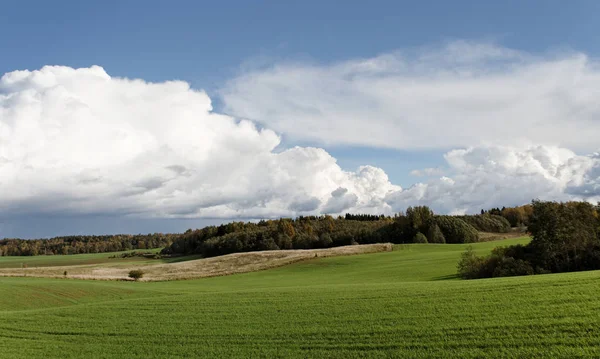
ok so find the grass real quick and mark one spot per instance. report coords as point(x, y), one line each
point(189, 267)
point(103, 259)
point(405, 303)
point(76, 259)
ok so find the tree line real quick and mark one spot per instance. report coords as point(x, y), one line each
point(565, 238)
point(84, 244)
point(418, 225)
point(516, 216)
point(364, 217)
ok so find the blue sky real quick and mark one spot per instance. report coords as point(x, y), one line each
point(205, 43)
point(208, 44)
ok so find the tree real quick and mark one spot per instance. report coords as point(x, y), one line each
point(470, 265)
point(566, 237)
point(488, 223)
point(515, 216)
point(420, 217)
point(456, 230)
point(564, 234)
point(284, 241)
point(325, 240)
point(285, 226)
point(136, 274)
point(419, 238)
point(435, 235)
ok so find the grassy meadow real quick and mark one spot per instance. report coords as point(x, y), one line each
point(66, 260)
point(405, 303)
point(101, 259)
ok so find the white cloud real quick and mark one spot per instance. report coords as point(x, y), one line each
point(340, 201)
point(485, 177)
point(463, 94)
point(425, 172)
point(81, 141)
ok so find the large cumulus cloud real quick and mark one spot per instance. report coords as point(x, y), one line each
point(81, 141)
point(490, 176)
point(458, 95)
point(78, 141)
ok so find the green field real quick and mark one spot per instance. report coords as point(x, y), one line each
point(405, 303)
point(85, 259)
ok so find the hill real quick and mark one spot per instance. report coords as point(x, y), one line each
point(405, 303)
point(187, 267)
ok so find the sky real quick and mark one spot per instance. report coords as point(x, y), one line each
point(154, 116)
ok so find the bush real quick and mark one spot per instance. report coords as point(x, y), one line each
point(509, 267)
point(470, 265)
point(136, 274)
point(419, 238)
point(502, 262)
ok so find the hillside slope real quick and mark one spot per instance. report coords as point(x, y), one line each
point(187, 267)
point(405, 303)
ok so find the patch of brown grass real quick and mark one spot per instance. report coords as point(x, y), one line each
point(199, 268)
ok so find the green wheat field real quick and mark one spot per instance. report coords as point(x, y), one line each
point(406, 303)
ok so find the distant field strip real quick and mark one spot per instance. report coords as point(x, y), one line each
point(198, 268)
point(406, 303)
point(72, 259)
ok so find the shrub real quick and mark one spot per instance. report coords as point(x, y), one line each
point(419, 238)
point(136, 274)
point(65, 273)
point(502, 262)
point(509, 267)
point(470, 265)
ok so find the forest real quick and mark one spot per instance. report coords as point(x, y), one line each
point(83, 244)
point(418, 225)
